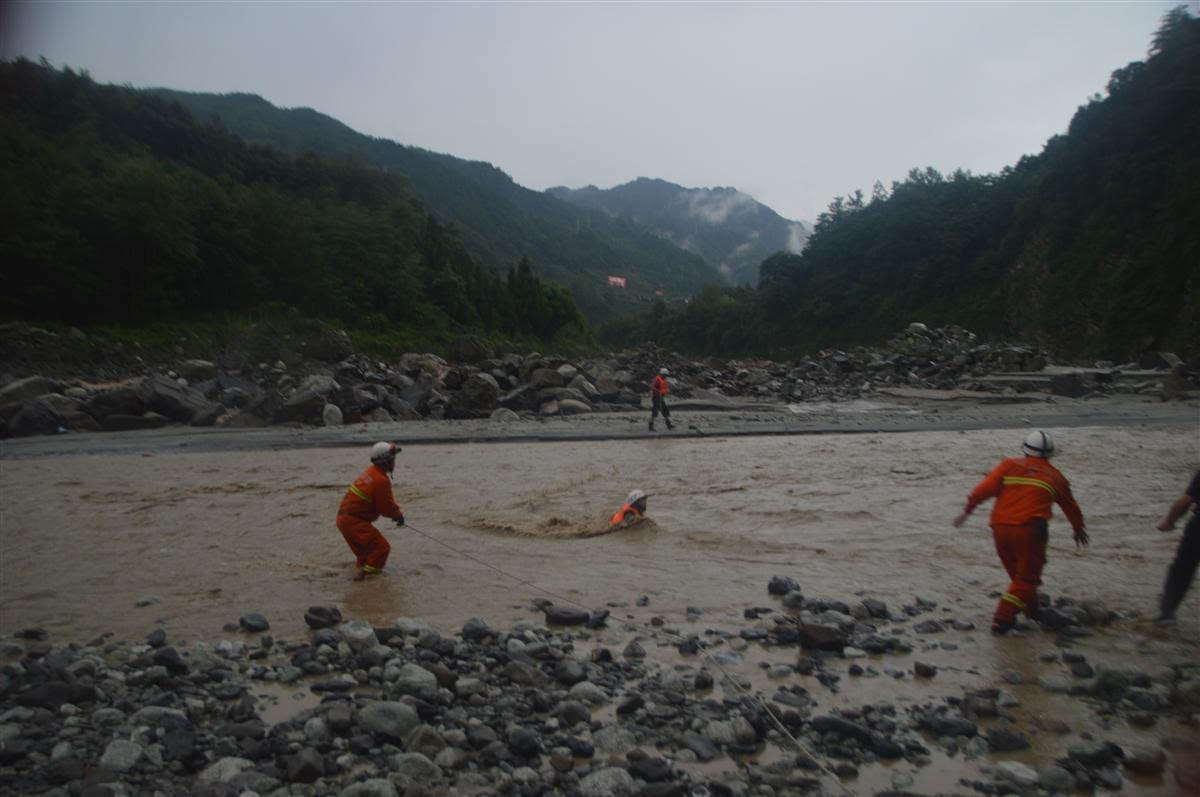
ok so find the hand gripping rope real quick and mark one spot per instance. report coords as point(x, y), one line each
point(656, 632)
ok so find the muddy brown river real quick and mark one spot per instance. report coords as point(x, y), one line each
point(190, 540)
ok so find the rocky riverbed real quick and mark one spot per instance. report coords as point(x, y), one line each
point(811, 695)
point(48, 387)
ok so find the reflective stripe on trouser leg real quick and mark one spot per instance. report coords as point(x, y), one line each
point(1023, 551)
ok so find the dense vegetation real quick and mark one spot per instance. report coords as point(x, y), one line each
point(117, 206)
point(1091, 248)
point(724, 226)
point(498, 221)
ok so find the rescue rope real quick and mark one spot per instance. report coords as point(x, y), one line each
point(655, 632)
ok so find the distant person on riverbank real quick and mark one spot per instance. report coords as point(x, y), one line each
point(1024, 489)
point(658, 398)
point(1187, 556)
point(631, 511)
point(367, 498)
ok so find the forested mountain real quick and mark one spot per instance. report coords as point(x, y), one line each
point(117, 206)
point(499, 221)
point(729, 229)
point(1091, 248)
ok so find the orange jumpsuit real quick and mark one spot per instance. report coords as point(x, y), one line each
point(625, 511)
point(658, 400)
point(1024, 489)
point(368, 497)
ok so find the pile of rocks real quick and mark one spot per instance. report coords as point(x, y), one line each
point(324, 383)
point(543, 707)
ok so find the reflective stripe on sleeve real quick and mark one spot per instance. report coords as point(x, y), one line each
point(354, 489)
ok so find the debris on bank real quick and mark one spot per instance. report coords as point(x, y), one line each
point(321, 381)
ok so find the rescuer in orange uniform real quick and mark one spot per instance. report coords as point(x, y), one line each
point(1024, 489)
point(631, 511)
point(658, 398)
point(369, 497)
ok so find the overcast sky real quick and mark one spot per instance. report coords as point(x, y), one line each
point(792, 103)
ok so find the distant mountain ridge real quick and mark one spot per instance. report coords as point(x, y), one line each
point(729, 229)
point(498, 220)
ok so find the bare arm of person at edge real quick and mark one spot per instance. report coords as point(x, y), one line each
point(1176, 511)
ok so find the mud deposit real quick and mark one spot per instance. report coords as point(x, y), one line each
point(188, 542)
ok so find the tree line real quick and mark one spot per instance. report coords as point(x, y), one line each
point(1090, 248)
point(117, 206)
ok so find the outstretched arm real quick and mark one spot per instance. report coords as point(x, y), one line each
point(1175, 512)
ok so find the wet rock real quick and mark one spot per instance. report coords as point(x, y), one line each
point(388, 719)
point(305, 766)
point(475, 630)
point(815, 636)
point(607, 782)
point(1018, 773)
point(415, 766)
point(1056, 779)
point(948, 725)
point(1006, 740)
point(253, 622)
point(120, 755)
point(923, 670)
point(701, 747)
point(1145, 760)
point(322, 616)
point(782, 585)
point(565, 615)
point(223, 770)
point(1094, 754)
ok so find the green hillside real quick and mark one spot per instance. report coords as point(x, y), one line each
point(727, 228)
point(498, 221)
point(1090, 248)
point(117, 206)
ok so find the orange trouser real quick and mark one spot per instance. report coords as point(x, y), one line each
point(1022, 551)
point(370, 548)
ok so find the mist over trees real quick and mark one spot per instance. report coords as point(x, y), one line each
point(117, 206)
point(1090, 248)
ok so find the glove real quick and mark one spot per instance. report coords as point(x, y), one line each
point(399, 519)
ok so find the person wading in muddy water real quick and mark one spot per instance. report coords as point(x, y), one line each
point(1187, 556)
point(658, 398)
point(1024, 489)
point(631, 511)
point(369, 497)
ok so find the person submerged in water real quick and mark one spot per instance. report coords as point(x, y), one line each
point(633, 510)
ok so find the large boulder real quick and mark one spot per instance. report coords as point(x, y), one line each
point(36, 417)
point(197, 370)
point(121, 400)
point(522, 398)
point(470, 349)
point(29, 388)
point(546, 377)
point(303, 406)
point(478, 395)
point(168, 398)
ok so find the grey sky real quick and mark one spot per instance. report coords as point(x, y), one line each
point(792, 103)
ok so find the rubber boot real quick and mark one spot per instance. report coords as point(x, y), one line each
point(652, 426)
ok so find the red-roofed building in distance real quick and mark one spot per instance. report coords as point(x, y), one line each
point(616, 282)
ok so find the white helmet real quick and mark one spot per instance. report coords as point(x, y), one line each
point(663, 372)
point(1038, 444)
point(635, 496)
point(382, 453)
